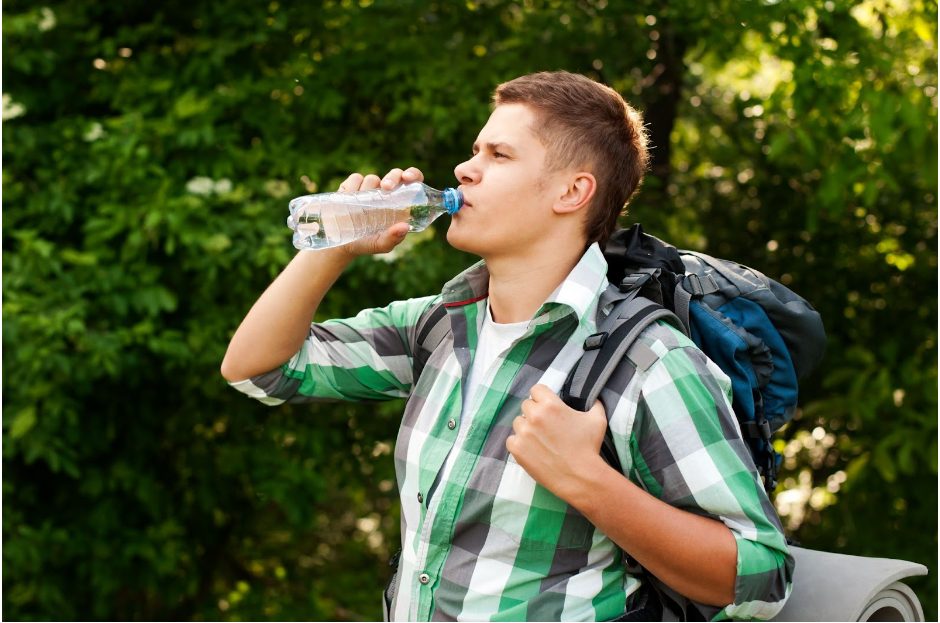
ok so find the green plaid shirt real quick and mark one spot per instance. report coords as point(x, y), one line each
point(481, 539)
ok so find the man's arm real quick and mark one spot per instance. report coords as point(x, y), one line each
point(277, 324)
point(559, 447)
point(696, 556)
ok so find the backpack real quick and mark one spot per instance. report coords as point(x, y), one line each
point(761, 334)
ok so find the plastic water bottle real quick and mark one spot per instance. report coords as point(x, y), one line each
point(331, 219)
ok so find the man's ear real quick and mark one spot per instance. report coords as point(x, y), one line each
point(579, 192)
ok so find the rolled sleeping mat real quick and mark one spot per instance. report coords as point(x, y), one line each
point(839, 587)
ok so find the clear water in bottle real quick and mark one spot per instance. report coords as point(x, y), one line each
point(331, 219)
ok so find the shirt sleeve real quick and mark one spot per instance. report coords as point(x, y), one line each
point(687, 450)
point(367, 357)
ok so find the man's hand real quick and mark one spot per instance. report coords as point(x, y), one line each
point(279, 321)
point(558, 446)
point(391, 237)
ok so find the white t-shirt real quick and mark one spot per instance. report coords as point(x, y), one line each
point(495, 338)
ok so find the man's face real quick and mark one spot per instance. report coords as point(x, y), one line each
point(508, 194)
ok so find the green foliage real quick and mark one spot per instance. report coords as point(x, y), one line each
point(149, 154)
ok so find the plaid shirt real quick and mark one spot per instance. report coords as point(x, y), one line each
point(481, 539)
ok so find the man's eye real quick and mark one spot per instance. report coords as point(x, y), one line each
point(497, 154)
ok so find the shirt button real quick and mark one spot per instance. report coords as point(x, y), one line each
point(452, 424)
point(424, 578)
point(420, 499)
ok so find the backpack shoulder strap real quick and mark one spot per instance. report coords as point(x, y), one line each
point(606, 349)
point(430, 331)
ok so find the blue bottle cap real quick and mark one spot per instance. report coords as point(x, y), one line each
point(453, 200)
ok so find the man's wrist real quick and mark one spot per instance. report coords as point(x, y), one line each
point(587, 490)
point(329, 263)
point(341, 254)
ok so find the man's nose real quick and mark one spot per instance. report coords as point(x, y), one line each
point(467, 172)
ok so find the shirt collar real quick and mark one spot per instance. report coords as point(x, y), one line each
point(579, 291)
point(470, 286)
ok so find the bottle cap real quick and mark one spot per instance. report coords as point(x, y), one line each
point(453, 200)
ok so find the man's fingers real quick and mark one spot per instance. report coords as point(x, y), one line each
point(412, 174)
point(527, 405)
point(392, 179)
point(351, 184)
point(370, 181)
point(541, 393)
point(598, 410)
point(396, 176)
point(356, 181)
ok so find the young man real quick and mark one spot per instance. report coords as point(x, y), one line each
point(508, 510)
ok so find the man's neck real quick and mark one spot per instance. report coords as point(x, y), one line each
point(519, 286)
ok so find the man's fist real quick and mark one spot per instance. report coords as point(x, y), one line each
point(555, 444)
point(390, 238)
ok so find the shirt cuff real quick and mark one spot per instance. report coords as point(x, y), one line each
point(763, 583)
point(250, 389)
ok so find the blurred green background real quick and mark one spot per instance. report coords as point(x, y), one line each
point(150, 150)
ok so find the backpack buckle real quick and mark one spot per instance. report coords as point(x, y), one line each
point(594, 341)
point(694, 285)
point(634, 281)
point(699, 285)
point(758, 430)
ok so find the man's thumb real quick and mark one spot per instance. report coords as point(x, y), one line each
point(598, 410)
point(390, 238)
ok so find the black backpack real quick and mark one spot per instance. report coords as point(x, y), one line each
point(761, 334)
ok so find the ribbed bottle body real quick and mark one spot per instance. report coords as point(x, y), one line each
point(331, 219)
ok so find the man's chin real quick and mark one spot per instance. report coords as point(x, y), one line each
point(456, 239)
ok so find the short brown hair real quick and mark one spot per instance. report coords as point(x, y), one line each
point(584, 123)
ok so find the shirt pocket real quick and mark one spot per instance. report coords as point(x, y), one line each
point(534, 518)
